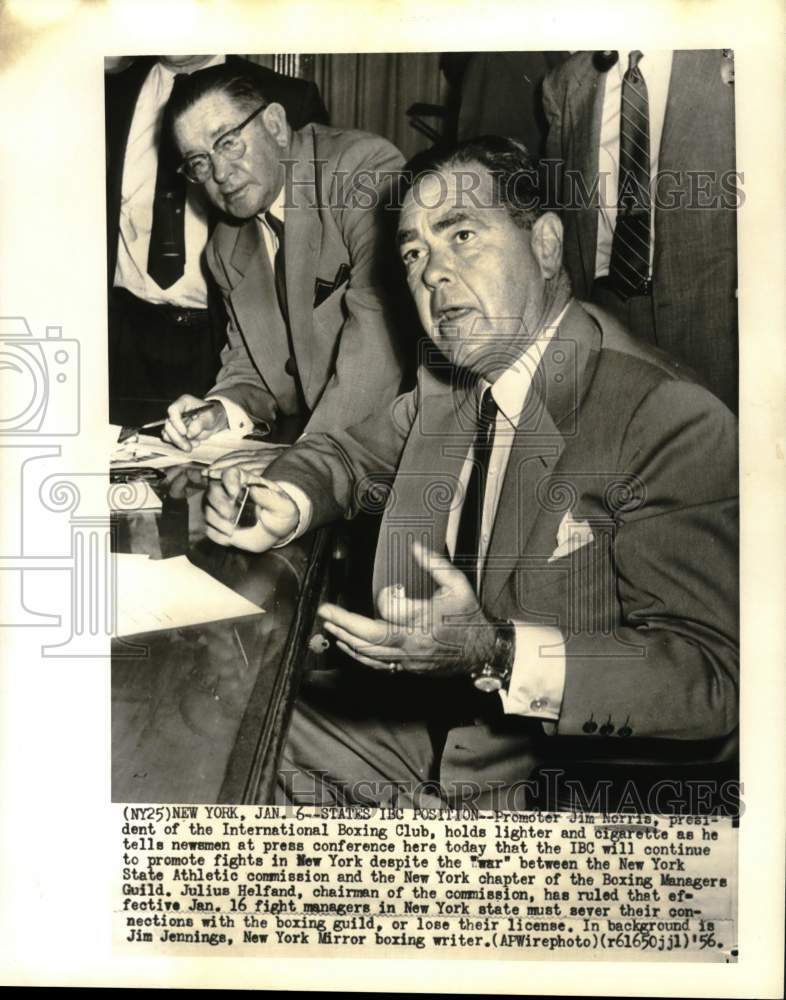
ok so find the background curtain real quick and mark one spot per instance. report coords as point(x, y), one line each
point(373, 91)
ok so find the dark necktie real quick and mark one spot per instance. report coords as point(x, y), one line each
point(468, 536)
point(166, 259)
point(277, 227)
point(629, 266)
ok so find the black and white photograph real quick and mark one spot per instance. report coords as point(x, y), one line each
point(391, 425)
point(491, 335)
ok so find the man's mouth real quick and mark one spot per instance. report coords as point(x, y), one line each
point(234, 192)
point(448, 315)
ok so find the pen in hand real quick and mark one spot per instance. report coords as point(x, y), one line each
point(187, 416)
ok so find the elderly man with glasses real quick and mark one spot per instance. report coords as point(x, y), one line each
point(298, 261)
point(167, 323)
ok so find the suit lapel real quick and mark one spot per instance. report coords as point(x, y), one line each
point(692, 73)
point(548, 419)
point(533, 456)
point(426, 484)
point(302, 245)
point(248, 245)
point(252, 294)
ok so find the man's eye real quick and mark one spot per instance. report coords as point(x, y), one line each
point(228, 143)
point(464, 235)
point(198, 164)
point(410, 256)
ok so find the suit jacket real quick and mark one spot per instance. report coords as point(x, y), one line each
point(501, 94)
point(301, 100)
point(695, 261)
point(616, 435)
point(341, 318)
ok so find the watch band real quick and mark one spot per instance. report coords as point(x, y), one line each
point(495, 672)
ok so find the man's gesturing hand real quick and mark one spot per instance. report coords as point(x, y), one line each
point(445, 635)
point(181, 431)
point(276, 513)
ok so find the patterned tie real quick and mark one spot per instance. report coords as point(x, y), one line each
point(629, 266)
point(166, 259)
point(468, 536)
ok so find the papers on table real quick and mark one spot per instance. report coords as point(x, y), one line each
point(152, 452)
point(155, 594)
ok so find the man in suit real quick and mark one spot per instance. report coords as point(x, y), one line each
point(649, 197)
point(556, 573)
point(501, 94)
point(298, 259)
point(166, 324)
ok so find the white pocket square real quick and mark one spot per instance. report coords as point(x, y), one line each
point(571, 535)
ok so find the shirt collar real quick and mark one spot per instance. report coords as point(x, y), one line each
point(167, 70)
point(653, 62)
point(277, 208)
point(510, 390)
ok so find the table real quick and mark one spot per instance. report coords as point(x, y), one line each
point(199, 714)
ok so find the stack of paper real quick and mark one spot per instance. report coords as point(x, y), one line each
point(155, 594)
point(143, 449)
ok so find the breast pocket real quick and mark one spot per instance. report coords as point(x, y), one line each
point(576, 593)
point(324, 288)
point(330, 314)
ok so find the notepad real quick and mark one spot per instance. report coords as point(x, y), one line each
point(156, 594)
point(155, 453)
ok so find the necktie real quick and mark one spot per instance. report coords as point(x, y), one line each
point(629, 266)
point(166, 259)
point(277, 226)
point(468, 536)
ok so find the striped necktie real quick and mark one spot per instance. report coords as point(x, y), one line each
point(629, 267)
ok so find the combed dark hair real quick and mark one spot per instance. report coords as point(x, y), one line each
point(243, 88)
point(515, 177)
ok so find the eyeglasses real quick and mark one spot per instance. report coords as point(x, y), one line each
point(230, 145)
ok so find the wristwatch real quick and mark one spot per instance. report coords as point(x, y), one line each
point(495, 672)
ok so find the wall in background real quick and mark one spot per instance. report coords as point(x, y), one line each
point(371, 91)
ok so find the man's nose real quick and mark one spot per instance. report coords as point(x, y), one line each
point(221, 168)
point(437, 271)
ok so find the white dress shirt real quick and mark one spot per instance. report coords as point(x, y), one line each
point(655, 67)
point(140, 167)
point(537, 682)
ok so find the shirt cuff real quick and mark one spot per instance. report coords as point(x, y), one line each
point(238, 420)
point(305, 510)
point(537, 679)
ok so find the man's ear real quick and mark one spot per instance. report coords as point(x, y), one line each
point(275, 120)
point(547, 244)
